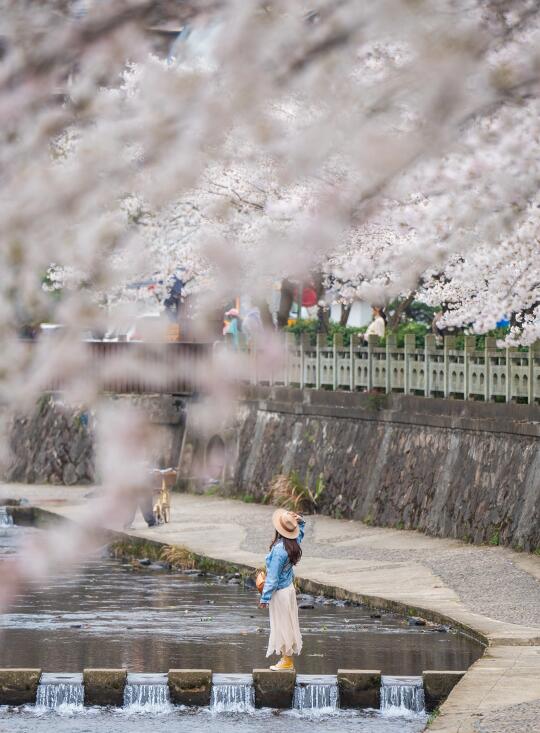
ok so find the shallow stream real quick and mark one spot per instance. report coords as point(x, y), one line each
point(148, 619)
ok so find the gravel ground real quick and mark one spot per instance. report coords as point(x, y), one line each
point(485, 578)
point(516, 719)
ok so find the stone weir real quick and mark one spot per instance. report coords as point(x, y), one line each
point(461, 469)
point(349, 689)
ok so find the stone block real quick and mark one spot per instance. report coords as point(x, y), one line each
point(190, 686)
point(359, 688)
point(438, 685)
point(104, 686)
point(19, 686)
point(273, 689)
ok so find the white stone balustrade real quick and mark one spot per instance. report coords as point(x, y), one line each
point(438, 369)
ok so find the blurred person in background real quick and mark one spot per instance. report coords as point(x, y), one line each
point(252, 326)
point(232, 326)
point(377, 327)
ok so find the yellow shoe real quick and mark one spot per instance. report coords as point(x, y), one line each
point(285, 664)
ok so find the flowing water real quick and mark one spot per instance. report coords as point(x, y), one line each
point(61, 692)
point(6, 519)
point(402, 695)
point(317, 695)
point(147, 693)
point(206, 721)
point(232, 694)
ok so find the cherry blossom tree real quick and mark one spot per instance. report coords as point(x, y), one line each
point(392, 145)
point(447, 199)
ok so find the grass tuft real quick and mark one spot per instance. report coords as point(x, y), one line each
point(290, 492)
point(179, 557)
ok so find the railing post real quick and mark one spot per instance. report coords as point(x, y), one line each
point(253, 359)
point(508, 392)
point(508, 382)
point(391, 343)
point(372, 342)
point(490, 344)
point(430, 346)
point(271, 376)
point(337, 344)
point(304, 341)
point(289, 342)
point(355, 340)
point(449, 345)
point(321, 343)
point(410, 344)
point(468, 346)
point(534, 349)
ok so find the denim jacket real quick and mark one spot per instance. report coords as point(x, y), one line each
point(279, 571)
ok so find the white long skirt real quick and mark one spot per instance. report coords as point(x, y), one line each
point(285, 636)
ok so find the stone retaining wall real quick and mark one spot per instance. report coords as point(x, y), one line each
point(52, 444)
point(451, 468)
point(467, 470)
point(55, 443)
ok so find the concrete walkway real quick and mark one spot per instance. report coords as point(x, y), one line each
point(494, 591)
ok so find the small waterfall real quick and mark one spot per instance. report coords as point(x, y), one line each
point(402, 695)
point(6, 520)
point(147, 693)
point(60, 692)
point(232, 693)
point(316, 694)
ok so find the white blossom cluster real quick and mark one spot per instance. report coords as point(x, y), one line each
point(392, 146)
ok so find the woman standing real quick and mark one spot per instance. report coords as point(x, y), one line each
point(279, 593)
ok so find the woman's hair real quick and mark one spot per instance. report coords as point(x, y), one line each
point(294, 551)
point(380, 312)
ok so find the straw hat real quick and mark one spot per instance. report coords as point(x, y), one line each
point(286, 524)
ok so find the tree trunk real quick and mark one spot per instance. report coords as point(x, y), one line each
point(393, 322)
point(266, 315)
point(345, 313)
point(323, 316)
point(285, 303)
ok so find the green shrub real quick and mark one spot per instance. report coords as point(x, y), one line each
point(495, 539)
point(416, 328)
point(311, 327)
